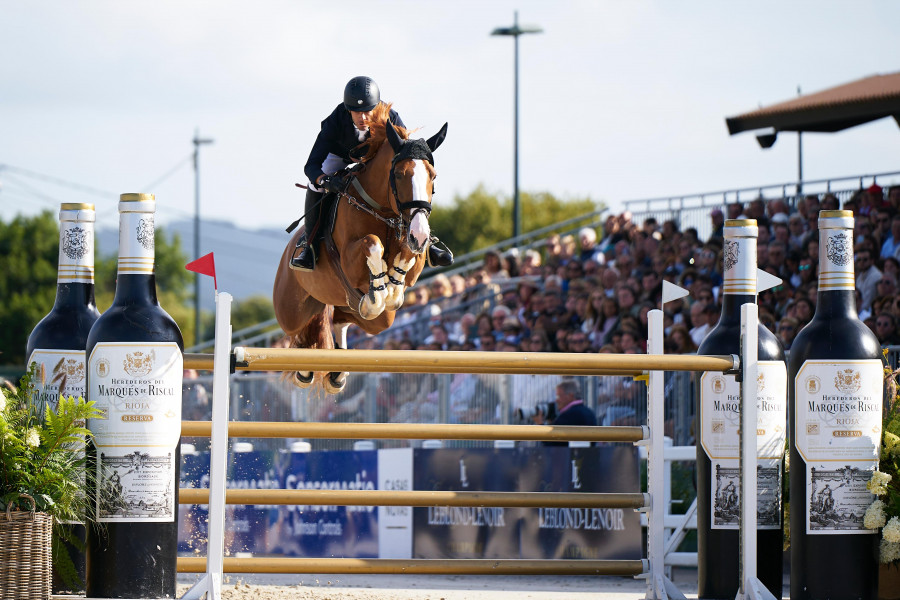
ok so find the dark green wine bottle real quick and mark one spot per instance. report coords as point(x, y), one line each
point(57, 342)
point(718, 435)
point(836, 394)
point(135, 366)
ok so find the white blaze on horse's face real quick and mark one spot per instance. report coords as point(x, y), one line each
point(419, 229)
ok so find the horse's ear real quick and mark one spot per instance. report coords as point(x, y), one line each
point(437, 139)
point(393, 137)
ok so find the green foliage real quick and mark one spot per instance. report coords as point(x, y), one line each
point(42, 450)
point(29, 249)
point(483, 219)
point(251, 311)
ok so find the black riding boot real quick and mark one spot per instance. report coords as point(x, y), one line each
point(306, 261)
point(439, 256)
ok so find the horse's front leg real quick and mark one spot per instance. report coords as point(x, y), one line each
point(396, 287)
point(371, 249)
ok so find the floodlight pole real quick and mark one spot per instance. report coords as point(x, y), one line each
point(515, 31)
point(799, 156)
point(197, 143)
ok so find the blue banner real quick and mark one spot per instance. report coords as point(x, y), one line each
point(328, 531)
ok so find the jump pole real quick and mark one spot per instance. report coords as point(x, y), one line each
point(211, 582)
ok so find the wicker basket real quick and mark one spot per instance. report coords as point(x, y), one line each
point(25, 538)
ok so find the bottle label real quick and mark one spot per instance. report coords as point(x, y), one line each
point(836, 260)
point(720, 426)
point(76, 252)
point(136, 243)
point(739, 257)
point(60, 372)
point(137, 386)
point(838, 434)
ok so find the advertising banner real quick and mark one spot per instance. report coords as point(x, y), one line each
point(423, 532)
point(540, 533)
point(465, 532)
point(328, 531)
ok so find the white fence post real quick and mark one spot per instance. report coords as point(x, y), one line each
point(659, 587)
point(211, 583)
point(750, 587)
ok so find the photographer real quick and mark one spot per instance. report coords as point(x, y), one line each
point(570, 409)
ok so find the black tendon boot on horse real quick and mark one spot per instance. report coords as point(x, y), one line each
point(439, 256)
point(306, 261)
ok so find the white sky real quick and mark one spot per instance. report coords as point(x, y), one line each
point(618, 100)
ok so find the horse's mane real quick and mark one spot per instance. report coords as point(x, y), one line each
point(381, 115)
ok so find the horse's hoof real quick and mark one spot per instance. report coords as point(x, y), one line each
point(394, 299)
point(368, 310)
point(335, 382)
point(303, 381)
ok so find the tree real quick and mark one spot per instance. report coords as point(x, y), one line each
point(29, 252)
point(29, 255)
point(251, 311)
point(483, 219)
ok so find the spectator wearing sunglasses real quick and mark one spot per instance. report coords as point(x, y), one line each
point(787, 331)
point(886, 329)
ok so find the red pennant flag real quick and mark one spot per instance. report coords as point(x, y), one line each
point(205, 265)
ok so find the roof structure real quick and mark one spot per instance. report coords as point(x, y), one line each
point(834, 109)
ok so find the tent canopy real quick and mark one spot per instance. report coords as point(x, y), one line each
point(834, 109)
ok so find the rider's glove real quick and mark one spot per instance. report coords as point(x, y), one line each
point(333, 183)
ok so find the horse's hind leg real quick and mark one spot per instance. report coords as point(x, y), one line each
point(316, 334)
point(336, 380)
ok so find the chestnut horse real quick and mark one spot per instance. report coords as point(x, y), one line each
point(380, 235)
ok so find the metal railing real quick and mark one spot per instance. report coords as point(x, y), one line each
point(692, 210)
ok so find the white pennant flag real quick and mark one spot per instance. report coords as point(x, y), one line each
point(671, 292)
point(765, 281)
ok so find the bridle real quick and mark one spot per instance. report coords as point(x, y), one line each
point(398, 222)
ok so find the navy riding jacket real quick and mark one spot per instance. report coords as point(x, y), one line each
point(338, 137)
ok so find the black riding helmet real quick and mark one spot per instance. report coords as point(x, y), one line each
point(361, 94)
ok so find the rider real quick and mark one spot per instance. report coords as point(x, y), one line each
point(344, 129)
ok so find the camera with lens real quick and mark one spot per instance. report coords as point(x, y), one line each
point(546, 410)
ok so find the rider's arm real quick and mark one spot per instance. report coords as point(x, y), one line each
point(317, 155)
point(328, 137)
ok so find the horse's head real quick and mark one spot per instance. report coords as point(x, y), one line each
point(412, 183)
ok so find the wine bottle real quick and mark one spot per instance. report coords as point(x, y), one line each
point(836, 393)
point(135, 365)
point(57, 342)
point(719, 426)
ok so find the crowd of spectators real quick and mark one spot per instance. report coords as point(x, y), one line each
point(592, 293)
